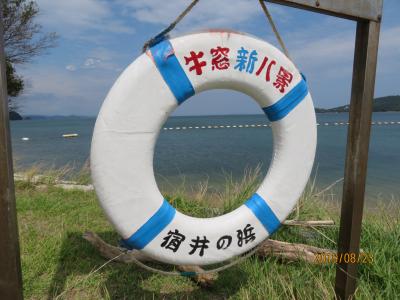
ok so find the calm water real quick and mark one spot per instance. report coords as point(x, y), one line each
point(210, 154)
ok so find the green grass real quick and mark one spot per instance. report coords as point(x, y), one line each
point(57, 261)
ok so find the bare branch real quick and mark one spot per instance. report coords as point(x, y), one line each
point(282, 250)
point(23, 38)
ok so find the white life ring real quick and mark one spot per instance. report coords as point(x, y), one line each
point(138, 105)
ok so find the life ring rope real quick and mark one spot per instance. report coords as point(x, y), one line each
point(233, 262)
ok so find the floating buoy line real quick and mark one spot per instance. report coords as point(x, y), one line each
point(269, 125)
point(242, 126)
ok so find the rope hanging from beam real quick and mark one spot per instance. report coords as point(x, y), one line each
point(171, 26)
point(274, 28)
point(164, 33)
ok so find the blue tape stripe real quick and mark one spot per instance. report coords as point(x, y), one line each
point(152, 227)
point(263, 213)
point(171, 70)
point(287, 103)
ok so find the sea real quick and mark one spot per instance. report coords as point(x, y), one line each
point(191, 157)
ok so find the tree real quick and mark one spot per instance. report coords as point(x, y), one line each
point(23, 40)
point(15, 86)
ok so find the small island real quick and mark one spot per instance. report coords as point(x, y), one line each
point(382, 104)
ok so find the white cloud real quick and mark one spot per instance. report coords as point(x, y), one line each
point(330, 51)
point(102, 58)
point(337, 50)
point(52, 90)
point(91, 62)
point(98, 58)
point(71, 68)
point(72, 16)
point(217, 12)
point(104, 54)
point(207, 13)
point(389, 49)
point(323, 48)
point(328, 62)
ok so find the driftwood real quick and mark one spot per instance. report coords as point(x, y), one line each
point(283, 250)
point(109, 252)
point(290, 251)
point(308, 223)
point(73, 186)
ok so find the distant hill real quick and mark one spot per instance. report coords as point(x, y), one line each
point(54, 117)
point(13, 116)
point(388, 103)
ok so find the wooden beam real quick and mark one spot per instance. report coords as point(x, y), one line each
point(10, 266)
point(348, 9)
point(364, 70)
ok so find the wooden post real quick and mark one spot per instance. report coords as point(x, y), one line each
point(365, 61)
point(10, 266)
point(368, 14)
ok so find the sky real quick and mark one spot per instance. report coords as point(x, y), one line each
point(99, 39)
